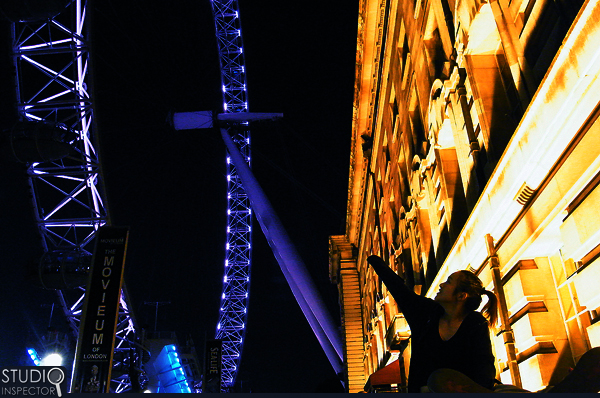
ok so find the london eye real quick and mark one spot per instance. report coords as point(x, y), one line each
point(40, 49)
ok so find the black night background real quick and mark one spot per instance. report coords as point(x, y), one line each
point(169, 187)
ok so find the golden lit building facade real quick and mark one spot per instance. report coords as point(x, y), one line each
point(475, 145)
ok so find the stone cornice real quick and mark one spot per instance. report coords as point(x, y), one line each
point(370, 35)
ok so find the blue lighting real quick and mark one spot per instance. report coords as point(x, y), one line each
point(56, 200)
point(171, 374)
point(34, 356)
point(237, 262)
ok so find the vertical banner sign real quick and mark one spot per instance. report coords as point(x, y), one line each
point(95, 344)
point(212, 366)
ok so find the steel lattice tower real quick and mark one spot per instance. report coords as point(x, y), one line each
point(52, 62)
point(238, 248)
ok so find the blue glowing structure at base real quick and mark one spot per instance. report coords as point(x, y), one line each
point(170, 372)
point(54, 96)
point(35, 358)
point(236, 280)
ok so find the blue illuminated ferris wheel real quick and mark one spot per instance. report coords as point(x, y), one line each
point(55, 135)
point(243, 192)
point(238, 247)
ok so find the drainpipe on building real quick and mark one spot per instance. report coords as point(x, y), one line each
point(514, 55)
point(505, 329)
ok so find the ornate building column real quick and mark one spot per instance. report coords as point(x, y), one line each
point(343, 272)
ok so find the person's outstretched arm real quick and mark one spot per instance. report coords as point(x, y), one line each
point(410, 303)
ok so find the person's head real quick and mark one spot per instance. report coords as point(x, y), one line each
point(464, 286)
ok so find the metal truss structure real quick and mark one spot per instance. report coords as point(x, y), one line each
point(52, 61)
point(236, 281)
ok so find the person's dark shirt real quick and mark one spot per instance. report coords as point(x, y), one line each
point(468, 351)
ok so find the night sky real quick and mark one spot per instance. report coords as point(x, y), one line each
point(169, 187)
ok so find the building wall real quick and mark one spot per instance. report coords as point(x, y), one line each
point(476, 145)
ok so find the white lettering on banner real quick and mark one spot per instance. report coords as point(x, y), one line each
point(214, 360)
point(97, 338)
point(118, 241)
point(95, 356)
point(101, 324)
point(106, 272)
